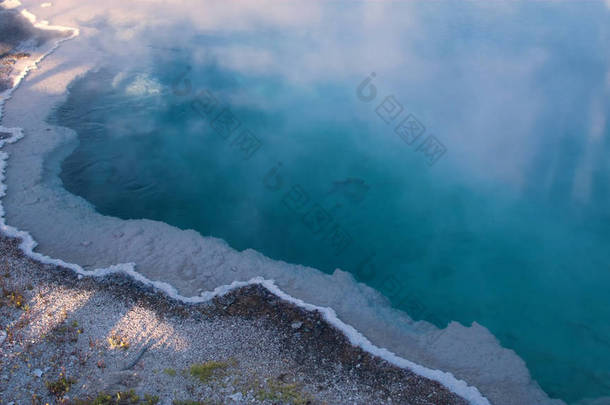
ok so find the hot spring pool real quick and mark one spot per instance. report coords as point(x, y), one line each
point(452, 156)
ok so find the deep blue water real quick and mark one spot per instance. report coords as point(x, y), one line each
point(265, 138)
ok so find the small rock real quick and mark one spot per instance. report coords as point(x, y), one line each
point(37, 372)
point(236, 397)
point(296, 325)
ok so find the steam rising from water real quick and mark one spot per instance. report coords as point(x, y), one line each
point(508, 229)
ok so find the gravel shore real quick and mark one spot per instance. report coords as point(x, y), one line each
point(68, 340)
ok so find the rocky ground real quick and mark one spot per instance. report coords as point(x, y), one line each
point(67, 340)
point(17, 37)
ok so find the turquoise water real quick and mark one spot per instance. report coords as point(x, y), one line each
point(505, 222)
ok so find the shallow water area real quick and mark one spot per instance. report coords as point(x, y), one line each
point(450, 180)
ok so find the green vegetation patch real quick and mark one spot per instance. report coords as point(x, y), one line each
point(119, 398)
point(60, 387)
point(118, 342)
point(277, 391)
point(15, 299)
point(205, 371)
point(170, 372)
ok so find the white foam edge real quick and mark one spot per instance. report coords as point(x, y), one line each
point(28, 244)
